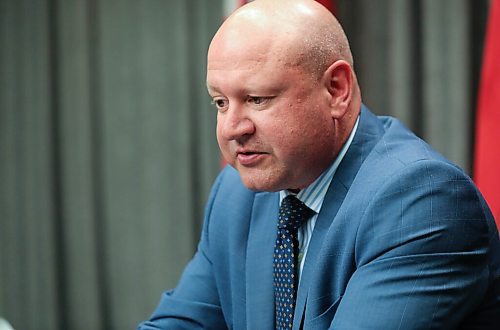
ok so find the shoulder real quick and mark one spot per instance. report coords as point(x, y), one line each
point(405, 191)
point(403, 169)
point(422, 205)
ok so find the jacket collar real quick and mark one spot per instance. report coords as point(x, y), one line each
point(369, 131)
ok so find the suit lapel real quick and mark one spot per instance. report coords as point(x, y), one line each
point(259, 262)
point(367, 135)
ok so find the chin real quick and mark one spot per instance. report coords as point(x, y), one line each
point(256, 183)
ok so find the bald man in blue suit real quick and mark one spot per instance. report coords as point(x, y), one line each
point(400, 238)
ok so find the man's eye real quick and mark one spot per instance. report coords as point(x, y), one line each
point(220, 104)
point(258, 100)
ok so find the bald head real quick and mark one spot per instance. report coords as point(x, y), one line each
point(280, 75)
point(299, 33)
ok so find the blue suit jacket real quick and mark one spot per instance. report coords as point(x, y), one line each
point(403, 241)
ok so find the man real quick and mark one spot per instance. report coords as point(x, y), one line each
point(378, 231)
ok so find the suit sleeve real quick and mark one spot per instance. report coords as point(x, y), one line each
point(194, 303)
point(421, 253)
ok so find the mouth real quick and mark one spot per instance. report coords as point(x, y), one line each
point(249, 158)
point(248, 153)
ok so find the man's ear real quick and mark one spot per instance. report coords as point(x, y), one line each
point(339, 80)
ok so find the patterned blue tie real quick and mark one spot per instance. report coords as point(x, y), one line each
point(286, 250)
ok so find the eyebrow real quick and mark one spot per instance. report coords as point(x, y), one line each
point(264, 90)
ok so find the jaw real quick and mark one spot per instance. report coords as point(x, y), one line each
point(259, 178)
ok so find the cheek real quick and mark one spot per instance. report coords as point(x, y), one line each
point(303, 134)
point(286, 137)
point(218, 128)
point(221, 141)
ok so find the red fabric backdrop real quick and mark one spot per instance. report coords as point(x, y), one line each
point(487, 145)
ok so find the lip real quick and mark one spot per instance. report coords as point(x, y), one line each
point(249, 158)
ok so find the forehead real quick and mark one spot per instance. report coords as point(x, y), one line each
point(250, 63)
point(247, 77)
point(250, 39)
point(236, 50)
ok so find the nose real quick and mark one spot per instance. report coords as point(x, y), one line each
point(234, 124)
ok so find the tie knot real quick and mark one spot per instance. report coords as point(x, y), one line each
point(293, 213)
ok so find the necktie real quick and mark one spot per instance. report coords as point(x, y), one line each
point(285, 262)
